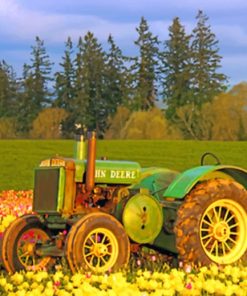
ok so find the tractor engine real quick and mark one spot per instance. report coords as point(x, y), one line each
point(68, 186)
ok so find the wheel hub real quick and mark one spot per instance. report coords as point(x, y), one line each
point(221, 231)
point(30, 249)
point(99, 250)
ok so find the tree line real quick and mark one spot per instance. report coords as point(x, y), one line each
point(172, 89)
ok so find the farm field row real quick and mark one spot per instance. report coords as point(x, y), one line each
point(229, 281)
point(20, 157)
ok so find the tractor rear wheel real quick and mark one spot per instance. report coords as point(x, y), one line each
point(211, 225)
point(19, 243)
point(97, 242)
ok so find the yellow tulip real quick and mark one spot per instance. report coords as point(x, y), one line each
point(17, 278)
point(214, 270)
point(48, 292)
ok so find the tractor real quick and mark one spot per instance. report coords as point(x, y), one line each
point(94, 212)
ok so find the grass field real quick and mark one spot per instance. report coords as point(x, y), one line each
point(18, 158)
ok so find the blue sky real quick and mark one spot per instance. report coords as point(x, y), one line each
point(54, 20)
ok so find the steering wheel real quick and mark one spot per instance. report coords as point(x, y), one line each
point(212, 155)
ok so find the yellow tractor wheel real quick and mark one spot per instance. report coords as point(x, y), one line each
point(212, 223)
point(97, 242)
point(19, 244)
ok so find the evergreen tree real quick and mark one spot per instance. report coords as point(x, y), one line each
point(65, 87)
point(8, 90)
point(206, 82)
point(115, 72)
point(65, 79)
point(146, 67)
point(90, 102)
point(35, 87)
point(175, 69)
point(27, 109)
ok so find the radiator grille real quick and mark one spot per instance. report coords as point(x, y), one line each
point(46, 190)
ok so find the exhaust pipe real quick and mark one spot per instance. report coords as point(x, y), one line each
point(91, 157)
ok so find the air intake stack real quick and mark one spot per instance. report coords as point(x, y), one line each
point(79, 152)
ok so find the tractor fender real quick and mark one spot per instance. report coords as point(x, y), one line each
point(185, 181)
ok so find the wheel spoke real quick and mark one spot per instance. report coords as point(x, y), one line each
point(233, 233)
point(207, 235)
point(230, 218)
point(232, 240)
point(209, 240)
point(208, 223)
point(223, 248)
point(98, 262)
point(24, 254)
point(104, 261)
point(210, 219)
point(91, 260)
point(234, 225)
point(213, 246)
point(89, 254)
point(228, 247)
point(104, 239)
point(91, 239)
point(217, 248)
point(226, 214)
point(216, 215)
point(220, 210)
point(26, 261)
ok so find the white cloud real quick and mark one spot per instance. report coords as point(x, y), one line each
point(8, 8)
point(156, 4)
point(231, 34)
point(20, 23)
point(100, 27)
point(210, 5)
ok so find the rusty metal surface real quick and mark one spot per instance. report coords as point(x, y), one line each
point(91, 156)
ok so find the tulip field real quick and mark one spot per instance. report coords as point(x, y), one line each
point(143, 276)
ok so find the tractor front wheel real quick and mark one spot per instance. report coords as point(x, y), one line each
point(211, 225)
point(97, 242)
point(19, 244)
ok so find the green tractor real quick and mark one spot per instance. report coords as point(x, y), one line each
point(95, 212)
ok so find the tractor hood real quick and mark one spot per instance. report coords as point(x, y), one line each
point(110, 171)
point(106, 171)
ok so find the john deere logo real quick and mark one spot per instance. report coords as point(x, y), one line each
point(115, 174)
